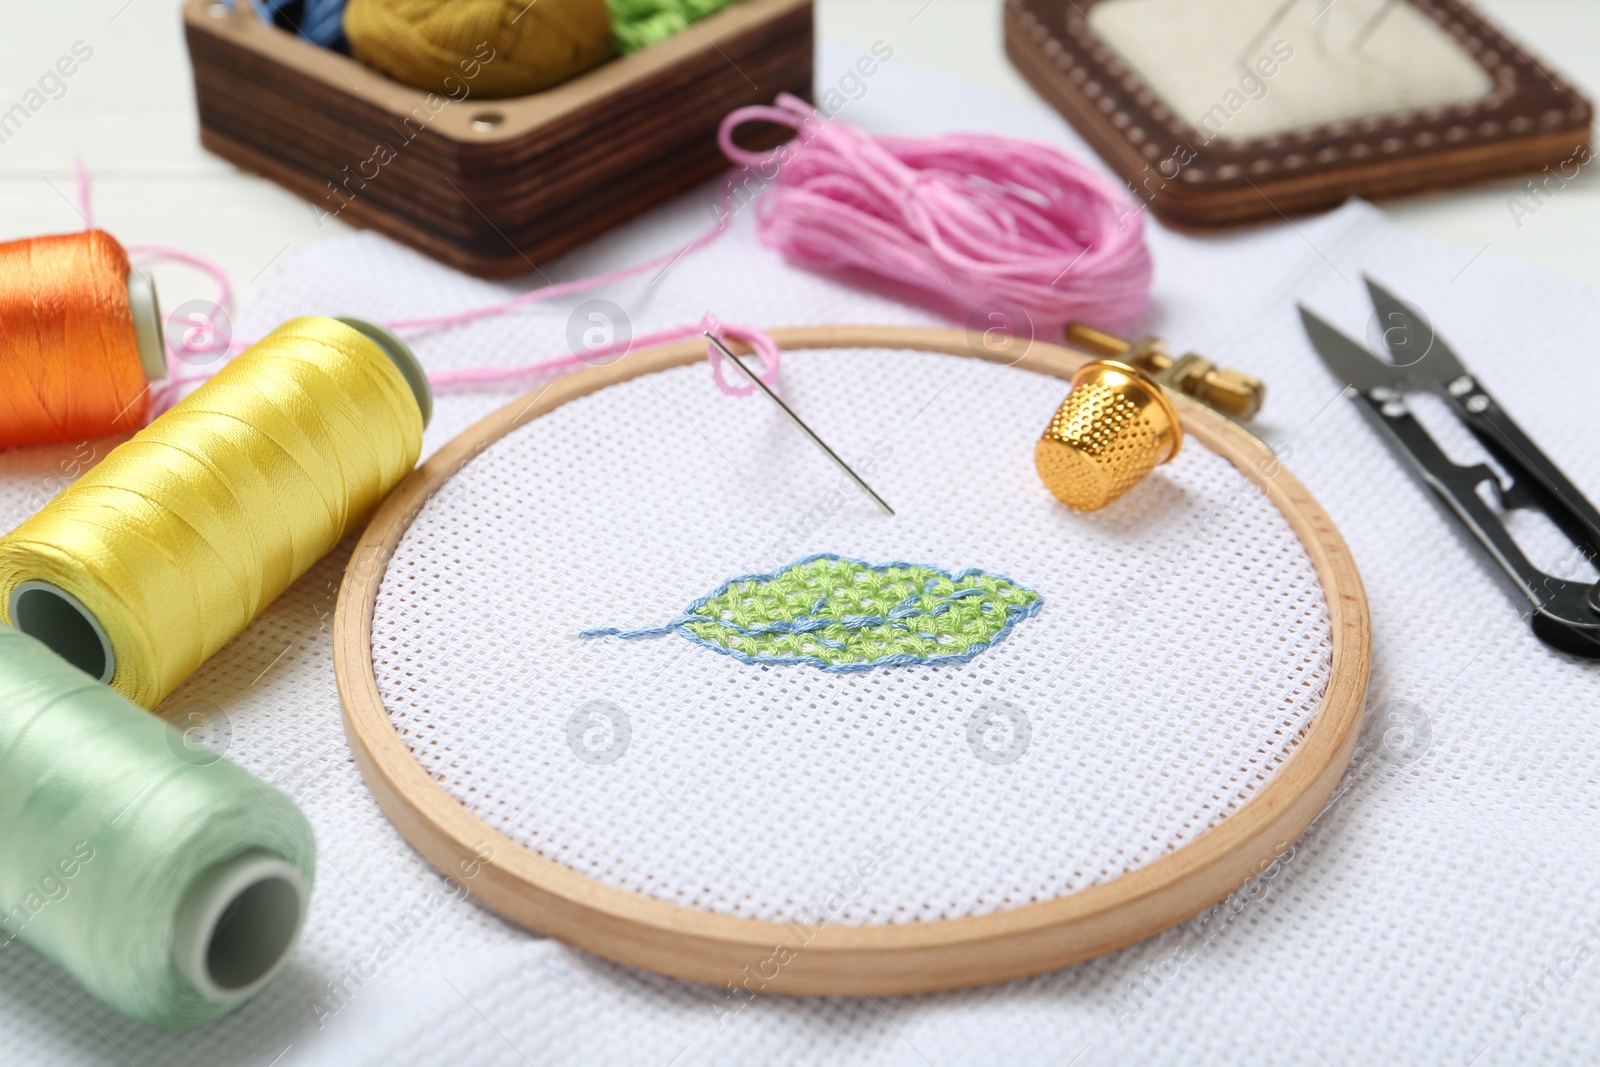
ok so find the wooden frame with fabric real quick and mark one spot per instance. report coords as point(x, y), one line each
point(841, 959)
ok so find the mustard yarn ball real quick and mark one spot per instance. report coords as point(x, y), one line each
point(480, 48)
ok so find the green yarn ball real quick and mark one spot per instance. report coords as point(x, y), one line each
point(639, 24)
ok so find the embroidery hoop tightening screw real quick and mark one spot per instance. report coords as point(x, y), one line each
point(1228, 391)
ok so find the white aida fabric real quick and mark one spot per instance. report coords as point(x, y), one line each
point(1238, 69)
point(1099, 735)
point(1443, 908)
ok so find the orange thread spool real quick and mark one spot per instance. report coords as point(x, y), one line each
point(80, 340)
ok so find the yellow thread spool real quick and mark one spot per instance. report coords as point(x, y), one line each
point(153, 560)
point(1112, 430)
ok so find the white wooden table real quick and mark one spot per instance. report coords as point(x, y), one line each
point(129, 112)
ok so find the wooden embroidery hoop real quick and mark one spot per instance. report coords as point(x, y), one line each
point(843, 960)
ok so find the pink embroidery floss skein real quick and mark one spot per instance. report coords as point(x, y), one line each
point(954, 221)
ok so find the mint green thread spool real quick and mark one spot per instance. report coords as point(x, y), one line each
point(172, 887)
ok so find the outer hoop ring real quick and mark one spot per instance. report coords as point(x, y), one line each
point(850, 960)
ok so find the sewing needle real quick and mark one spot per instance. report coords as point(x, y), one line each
point(1371, 24)
point(748, 373)
point(1277, 17)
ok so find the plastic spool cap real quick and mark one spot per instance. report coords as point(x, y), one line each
point(401, 355)
point(235, 928)
point(147, 331)
point(67, 628)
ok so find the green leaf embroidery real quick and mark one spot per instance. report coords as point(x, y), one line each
point(843, 614)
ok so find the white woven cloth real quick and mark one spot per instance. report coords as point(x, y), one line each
point(1238, 69)
point(1104, 732)
point(1439, 911)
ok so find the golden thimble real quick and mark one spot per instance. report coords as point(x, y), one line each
point(1114, 428)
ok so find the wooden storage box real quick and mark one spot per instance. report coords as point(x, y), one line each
point(1533, 119)
point(491, 187)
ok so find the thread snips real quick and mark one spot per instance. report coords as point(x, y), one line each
point(1566, 613)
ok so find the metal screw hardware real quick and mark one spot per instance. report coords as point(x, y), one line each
point(1228, 391)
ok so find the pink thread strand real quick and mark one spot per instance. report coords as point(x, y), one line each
point(85, 204)
point(224, 299)
point(763, 346)
point(962, 222)
point(580, 285)
point(167, 394)
point(181, 346)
